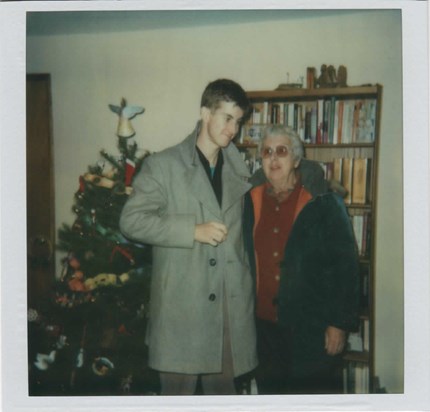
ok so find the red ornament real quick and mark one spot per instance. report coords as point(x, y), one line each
point(74, 263)
point(76, 284)
point(81, 184)
point(126, 253)
point(130, 168)
point(123, 330)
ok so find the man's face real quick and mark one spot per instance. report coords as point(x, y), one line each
point(223, 124)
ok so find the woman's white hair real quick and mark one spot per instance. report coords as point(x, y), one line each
point(296, 145)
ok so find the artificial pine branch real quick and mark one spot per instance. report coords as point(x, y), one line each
point(110, 159)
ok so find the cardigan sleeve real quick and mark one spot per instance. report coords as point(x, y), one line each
point(248, 233)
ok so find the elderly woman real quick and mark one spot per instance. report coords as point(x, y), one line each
point(303, 254)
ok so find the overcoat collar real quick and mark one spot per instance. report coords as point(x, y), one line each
point(235, 176)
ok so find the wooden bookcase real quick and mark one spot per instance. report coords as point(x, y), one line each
point(353, 134)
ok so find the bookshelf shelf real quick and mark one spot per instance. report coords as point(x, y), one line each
point(359, 91)
point(356, 356)
point(246, 145)
point(339, 127)
point(337, 145)
point(364, 315)
point(359, 206)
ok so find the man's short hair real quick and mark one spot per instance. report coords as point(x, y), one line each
point(225, 90)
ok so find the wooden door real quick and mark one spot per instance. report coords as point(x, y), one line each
point(40, 191)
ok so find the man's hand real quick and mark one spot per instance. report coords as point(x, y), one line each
point(334, 340)
point(212, 233)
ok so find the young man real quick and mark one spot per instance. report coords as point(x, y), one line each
point(187, 202)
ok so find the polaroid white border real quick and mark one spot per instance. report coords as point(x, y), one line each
point(13, 220)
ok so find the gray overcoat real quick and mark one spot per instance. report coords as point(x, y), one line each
point(172, 194)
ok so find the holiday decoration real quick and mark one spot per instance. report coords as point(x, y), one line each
point(90, 338)
point(125, 114)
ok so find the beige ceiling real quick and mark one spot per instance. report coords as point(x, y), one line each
point(69, 22)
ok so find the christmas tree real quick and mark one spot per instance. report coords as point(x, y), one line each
point(91, 338)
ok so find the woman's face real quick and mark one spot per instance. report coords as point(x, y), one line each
point(277, 160)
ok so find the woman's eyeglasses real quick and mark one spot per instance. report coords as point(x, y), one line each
point(267, 152)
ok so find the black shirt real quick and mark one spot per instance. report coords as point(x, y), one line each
point(215, 176)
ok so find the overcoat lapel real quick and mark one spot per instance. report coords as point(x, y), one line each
point(234, 187)
point(235, 177)
point(201, 188)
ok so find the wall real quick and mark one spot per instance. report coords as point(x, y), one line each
point(166, 69)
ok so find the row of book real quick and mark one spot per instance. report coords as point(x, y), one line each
point(364, 288)
point(356, 378)
point(359, 341)
point(322, 121)
point(361, 225)
point(354, 174)
point(252, 162)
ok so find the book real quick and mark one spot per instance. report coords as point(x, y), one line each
point(299, 124)
point(357, 225)
point(265, 117)
point(326, 121)
point(274, 113)
point(347, 178)
point(291, 115)
point(355, 341)
point(354, 132)
point(308, 127)
point(337, 169)
point(366, 121)
point(366, 343)
point(281, 114)
point(256, 116)
point(339, 121)
point(361, 180)
point(335, 122)
point(366, 233)
point(328, 170)
point(314, 123)
point(320, 121)
point(331, 120)
point(347, 121)
point(253, 133)
point(364, 290)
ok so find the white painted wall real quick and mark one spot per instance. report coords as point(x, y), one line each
point(166, 69)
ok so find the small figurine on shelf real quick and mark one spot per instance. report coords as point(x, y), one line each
point(329, 78)
point(341, 76)
point(324, 78)
point(332, 75)
point(310, 77)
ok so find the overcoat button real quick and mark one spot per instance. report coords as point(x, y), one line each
point(212, 297)
point(212, 262)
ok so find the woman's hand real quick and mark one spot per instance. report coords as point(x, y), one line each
point(334, 340)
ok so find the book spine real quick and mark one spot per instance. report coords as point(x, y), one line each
point(347, 178)
point(339, 121)
point(265, 113)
